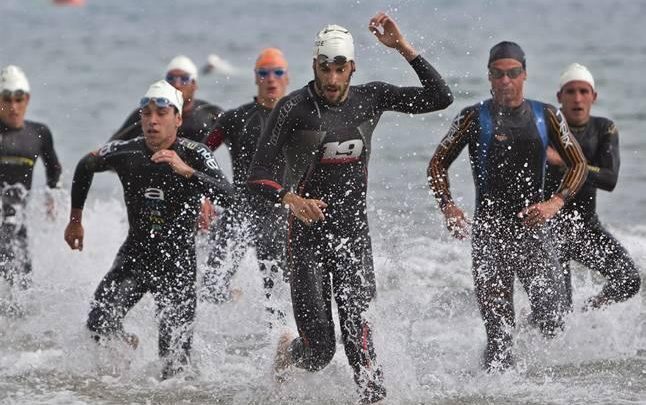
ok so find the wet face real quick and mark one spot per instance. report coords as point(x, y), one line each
point(507, 77)
point(13, 108)
point(272, 81)
point(183, 82)
point(333, 80)
point(576, 99)
point(160, 125)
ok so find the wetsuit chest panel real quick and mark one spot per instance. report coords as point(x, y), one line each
point(19, 150)
point(342, 146)
point(339, 175)
point(155, 196)
point(588, 138)
point(510, 157)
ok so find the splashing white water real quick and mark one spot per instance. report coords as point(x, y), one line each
point(428, 334)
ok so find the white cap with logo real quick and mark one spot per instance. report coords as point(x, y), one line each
point(576, 72)
point(163, 90)
point(12, 78)
point(184, 64)
point(335, 43)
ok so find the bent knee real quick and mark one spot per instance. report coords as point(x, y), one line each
point(632, 284)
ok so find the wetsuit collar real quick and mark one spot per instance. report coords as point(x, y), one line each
point(171, 146)
point(503, 110)
point(578, 128)
point(188, 107)
point(260, 105)
point(6, 128)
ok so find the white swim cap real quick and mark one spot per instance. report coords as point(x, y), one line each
point(12, 78)
point(576, 72)
point(163, 94)
point(183, 63)
point(333, 44)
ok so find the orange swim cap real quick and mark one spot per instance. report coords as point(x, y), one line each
point(271, 57)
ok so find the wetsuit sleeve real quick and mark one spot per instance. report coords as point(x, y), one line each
point(50, 159)
point(130, 129)
point(434, 94)
point(215, 138)
point(210, 115)
point(447, 151)
point(215, 113)
point(84, 174)
point(570, 151)
point(210, 180)
point(219, 134)
point(604, 170)
point(280, 125)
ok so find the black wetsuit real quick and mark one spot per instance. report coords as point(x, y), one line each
point(580, 233)
point(327, 148)
point(507, 150)
point(158, 255)
point(196, 123)
point(19, 150)
point(252, 220)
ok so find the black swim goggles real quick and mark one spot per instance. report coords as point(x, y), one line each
point(512, 73)
point(326, 60)
point(17, 95)
point(160, 102)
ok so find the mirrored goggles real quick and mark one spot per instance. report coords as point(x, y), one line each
point(183, 79)
point(160, 102)
point(510, 73)
point(17, 95)
point(264, 73)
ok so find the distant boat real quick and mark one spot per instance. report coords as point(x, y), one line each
point(77, 3)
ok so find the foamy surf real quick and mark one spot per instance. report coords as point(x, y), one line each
point(428, 334)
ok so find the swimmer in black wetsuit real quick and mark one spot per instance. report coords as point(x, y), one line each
point(252, 220)
point(164, 178)
point(325, 131)
point(21, 144)
point(507, 138)
point(198, 116)
point(580, 234)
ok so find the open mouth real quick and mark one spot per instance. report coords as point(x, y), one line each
point(331, 90)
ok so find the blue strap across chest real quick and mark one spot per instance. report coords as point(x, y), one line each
point(487, 133)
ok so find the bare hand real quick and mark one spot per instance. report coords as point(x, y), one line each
point(174, 161)
point(74, 235)
point(553, 157)
point(388, 33)
point(456, 222)
point(540, 213)
point(207, 216)
point(307, 210)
